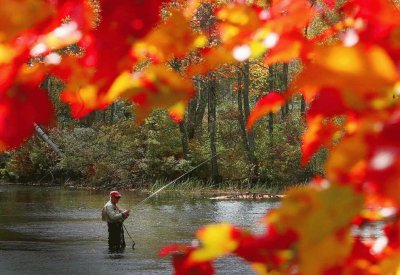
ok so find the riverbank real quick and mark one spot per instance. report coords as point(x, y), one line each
point(221, 191)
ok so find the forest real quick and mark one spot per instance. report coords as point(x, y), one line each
point(108, 149)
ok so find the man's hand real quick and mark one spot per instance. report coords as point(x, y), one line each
point(126, 213)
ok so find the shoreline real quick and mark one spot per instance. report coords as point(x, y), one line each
point(211, 193)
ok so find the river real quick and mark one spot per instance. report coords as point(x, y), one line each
point(53, 230)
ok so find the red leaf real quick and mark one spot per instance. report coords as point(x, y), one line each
point(318, 133)
point(20, 107)
point(327, 103)
point(269, 103)
point(330, 3)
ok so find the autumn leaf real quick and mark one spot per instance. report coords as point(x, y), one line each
point(155, 87)
point(323, 228)
point(288, 47)
point(123, 22)
point(330, 3)
point(181, 263)
point(346, 163)
point(271, 250)
point(328, 103)
point(288, 16)
point(216, 240)
point(369, 73)
point(160, 45)
point(30, 14)
point(269, 103)
point(211, 59)
point(239, 22)
point(319, 133)
point(21, 106)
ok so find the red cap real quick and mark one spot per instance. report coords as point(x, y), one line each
point(115, 194)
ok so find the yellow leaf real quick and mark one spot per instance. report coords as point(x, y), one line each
point(20, 15)
point(391, 265)
point(161, 44)
point(347, 158)
point(7, 54)
point(331, 250)
point(364, 75)
point(323, 227)
point(154, 87)
point(177, 111)
point(217, 240)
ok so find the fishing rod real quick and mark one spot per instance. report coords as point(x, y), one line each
point(165, 186)
point(172, 182)
point(133, 242)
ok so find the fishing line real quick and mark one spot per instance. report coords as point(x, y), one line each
point(133, 245)
point(168, 184)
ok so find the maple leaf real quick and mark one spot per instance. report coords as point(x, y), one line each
point(122, 23)
point(217, 240)
point(271, 250)
point(288, 47)
point(366, 71)
point(319, 133)
point(330, 3)
point(21, 106)
point(33, 12)
point(288, 16)
point(212, 58)
point(154, 87)
point(391, 265)
point(239, 22)
point(160, 45)
point(181, 262)
point(269, 103)
point(346, 163)
point(322, 227)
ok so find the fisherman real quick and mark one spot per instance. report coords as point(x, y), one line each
point(114, 218)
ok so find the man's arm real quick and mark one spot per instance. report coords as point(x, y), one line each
point(113, 216)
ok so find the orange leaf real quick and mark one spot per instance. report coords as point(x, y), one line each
point(318, 133)
point(289, 47)
point(238, 23)
point(323, 227)
point(366, 71)
point(272, 102)
point(155, 87)
point(173, 39)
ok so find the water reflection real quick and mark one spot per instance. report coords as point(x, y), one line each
point(53, 230)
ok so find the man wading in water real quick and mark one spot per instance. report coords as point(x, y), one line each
point(114, 218)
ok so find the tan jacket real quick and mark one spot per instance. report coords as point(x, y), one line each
point(112, 213)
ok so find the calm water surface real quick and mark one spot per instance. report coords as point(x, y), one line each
point(58, 231)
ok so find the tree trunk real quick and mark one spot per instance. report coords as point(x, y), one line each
point(184, 140)
point(196, 110)
point(302, 106)
point(271, 115)
point(212, 128)
point(47, 139)
point(246, 107)
point(285, 73)
point(241, 119)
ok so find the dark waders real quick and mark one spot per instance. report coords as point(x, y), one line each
point(116, 239)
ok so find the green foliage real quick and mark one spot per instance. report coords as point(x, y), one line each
point(280, 158)
point(108, 149)
point(122, 153)
point(30, 163)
